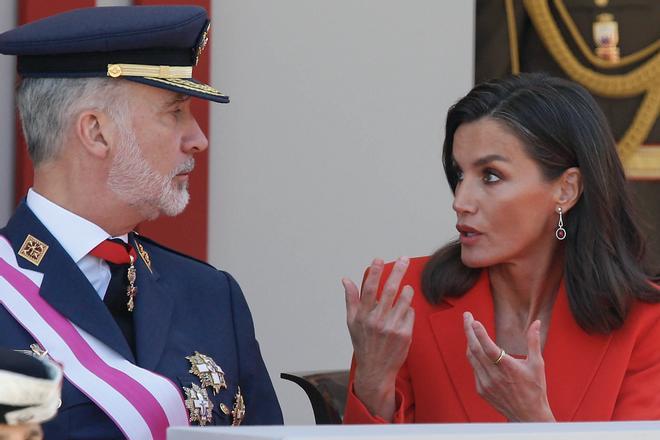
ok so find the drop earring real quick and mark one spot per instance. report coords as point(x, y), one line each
point(560, 233)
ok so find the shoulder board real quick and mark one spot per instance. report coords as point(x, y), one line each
point(143, 239)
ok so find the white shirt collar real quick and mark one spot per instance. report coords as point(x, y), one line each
point(77, 235)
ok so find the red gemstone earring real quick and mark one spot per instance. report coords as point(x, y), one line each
point(560, 233)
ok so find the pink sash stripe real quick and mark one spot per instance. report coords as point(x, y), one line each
point(133, 391)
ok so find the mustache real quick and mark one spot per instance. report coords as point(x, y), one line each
point(185, 168)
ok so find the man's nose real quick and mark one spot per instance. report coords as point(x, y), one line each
point(195, 140)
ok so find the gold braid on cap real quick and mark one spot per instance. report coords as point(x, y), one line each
point(117, 70)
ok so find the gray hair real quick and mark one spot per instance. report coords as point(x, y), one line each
point(47, 107)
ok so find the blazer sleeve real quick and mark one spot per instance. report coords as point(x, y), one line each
point(262, 407)
point(639, 395)
point(404, 412)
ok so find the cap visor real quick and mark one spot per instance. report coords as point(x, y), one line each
point(185, 86)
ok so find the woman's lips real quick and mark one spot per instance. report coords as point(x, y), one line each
point(469, 235)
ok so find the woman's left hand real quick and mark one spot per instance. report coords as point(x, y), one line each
point(514, 387)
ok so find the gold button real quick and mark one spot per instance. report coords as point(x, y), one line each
point(114, 70)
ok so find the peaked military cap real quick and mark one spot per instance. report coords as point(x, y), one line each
point(154, 45)
point(30, 388)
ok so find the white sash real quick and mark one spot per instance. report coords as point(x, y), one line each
point(141, 403)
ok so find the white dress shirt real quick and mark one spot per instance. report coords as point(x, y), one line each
point(77, 236)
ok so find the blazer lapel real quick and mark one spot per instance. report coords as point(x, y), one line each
point(64, 286)
point(447, 326)
point(572, 357)
point(153, 311)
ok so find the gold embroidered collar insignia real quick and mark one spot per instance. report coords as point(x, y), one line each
point(33, 250)
point(144, 255)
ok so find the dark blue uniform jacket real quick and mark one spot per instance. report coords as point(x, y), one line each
point(182, 306)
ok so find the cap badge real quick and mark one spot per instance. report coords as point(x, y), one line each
point(238, 413)
point(209, 373)
point(33, 250)
point(199, 405)
point(201, 45)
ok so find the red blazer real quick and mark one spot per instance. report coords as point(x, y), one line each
point(590, 377)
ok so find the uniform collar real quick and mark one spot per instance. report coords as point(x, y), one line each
point(77, 235)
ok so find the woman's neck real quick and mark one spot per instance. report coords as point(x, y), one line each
point(522, 293)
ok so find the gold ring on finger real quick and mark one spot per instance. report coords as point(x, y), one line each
point(500, 357)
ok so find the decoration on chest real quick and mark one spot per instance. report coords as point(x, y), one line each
point(33, 250)
point(199, 405)
point(210, 374)
point(238, 413)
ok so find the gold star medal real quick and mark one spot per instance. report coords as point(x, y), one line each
point(238, 413)
point(199, 405)
point(33, 250)
point(209, 373)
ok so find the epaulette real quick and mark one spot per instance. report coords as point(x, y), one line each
point(142, 238)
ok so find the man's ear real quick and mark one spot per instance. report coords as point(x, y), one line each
point(569, 188)
point(93, 131)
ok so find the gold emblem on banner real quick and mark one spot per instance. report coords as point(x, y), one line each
point(606, 37)
point(199, 405)
point(238, 413)
point(33, 250)
point(209, 373)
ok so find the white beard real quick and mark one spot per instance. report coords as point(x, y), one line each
point(133, 180)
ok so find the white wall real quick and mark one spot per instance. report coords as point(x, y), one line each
point(7, 117)
point(328, 155)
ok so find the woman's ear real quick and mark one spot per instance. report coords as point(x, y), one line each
point(92, 130)
point(569, 188)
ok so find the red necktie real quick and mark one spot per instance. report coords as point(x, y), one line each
point(114, 252)
point(117, 252)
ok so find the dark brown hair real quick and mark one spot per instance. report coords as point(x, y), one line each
point(561, 126)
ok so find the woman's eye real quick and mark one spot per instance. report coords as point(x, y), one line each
point(491, 177)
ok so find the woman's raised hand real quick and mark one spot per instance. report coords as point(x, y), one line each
point(514, 387)
point(381, 332)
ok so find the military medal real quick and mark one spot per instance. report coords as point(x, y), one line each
point(131, 291)
point(33, 250)
point(238, 413)
point(209, 373)
point(199, 405)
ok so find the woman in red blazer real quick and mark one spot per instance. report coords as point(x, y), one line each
point(542, 310)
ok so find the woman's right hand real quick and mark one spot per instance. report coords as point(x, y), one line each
point(381, 332)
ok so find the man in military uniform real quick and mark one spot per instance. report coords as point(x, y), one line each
point(148, 338)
